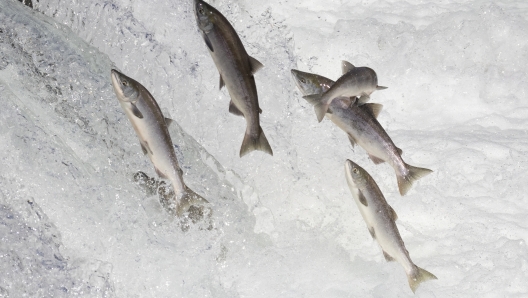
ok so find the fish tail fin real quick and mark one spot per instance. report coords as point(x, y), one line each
point(417, 276)
point(413, 173)
point(190, 198)
point(313, 99)
point(252, 143)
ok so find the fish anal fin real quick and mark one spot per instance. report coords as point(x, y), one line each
point(373, 109)
point(145, 148)
point(393, 214)
point(372, 232)
point(388, 258)
point(234, 110)
point(362, 199)
point(160, 173)
point(376, 160)
point(136, 111)
point(222, 84)
point(255, 65)
point(207, 42)
point(346, 66)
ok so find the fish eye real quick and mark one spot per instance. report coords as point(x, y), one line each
point(303, 81)
point(355, 170)
point(125, 83)
point(201, 11)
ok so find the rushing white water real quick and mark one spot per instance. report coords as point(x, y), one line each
point(74, 223)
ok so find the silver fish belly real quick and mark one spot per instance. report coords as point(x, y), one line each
point(236, 70)
point(381, 218)
point(146, 118)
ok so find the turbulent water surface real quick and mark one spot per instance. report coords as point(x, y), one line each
point(74, 223)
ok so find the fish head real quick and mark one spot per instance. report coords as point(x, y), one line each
point(309, 83)
point(205, 15)
point(356, 176)
point(125, 88)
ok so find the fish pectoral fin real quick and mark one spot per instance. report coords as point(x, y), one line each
point(136, 111)
point(373, 109)
point(363, 99)
point(234, 110)
point(381, 87)
point(222, 84)
point(362, 199)
point(255, 65)
point(313, 99)
point(207, 42)
point(400, 152)
point(372, 232)
point(346, 66)
point(388, 258)
point(376, 160)
point(168, 121)
point(352, 140)
point(393, 214)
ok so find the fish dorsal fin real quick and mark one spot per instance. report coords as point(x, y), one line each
point(168, 121)
point(255, 65)
point(222, 84)
point(400, 152)
point(381, 87)
point(352, 140)
point(376, 160)
point(393, 214)
point(388, 258)
point(207, 42)
point(234, 110)
point(372, 108)
point(136, 111)
point(372, 232)
point(346, 66)
point(362, 199)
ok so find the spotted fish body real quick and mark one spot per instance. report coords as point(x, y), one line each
point(362, 128)
point(381, 222)
point(355, 81)
point(150, 125)
point(236, 70)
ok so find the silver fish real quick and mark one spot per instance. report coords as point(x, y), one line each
point(236, 69)
point(355, 81)
point(381, 222)
point(362, 128)
point(151, 128)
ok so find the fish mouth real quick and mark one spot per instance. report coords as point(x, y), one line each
point(116, 82)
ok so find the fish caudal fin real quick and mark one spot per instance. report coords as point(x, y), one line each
point(417, 276)
point(413, 174)
point(252, 143)
point(190, 198)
